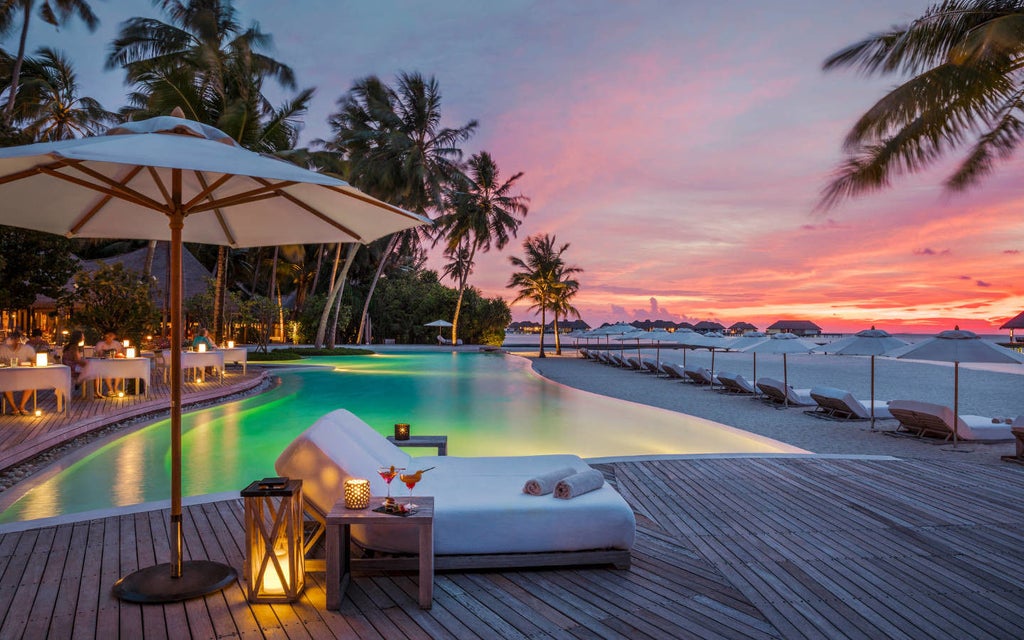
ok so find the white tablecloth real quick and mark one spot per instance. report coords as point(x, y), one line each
point(196, 360)
point(237, 355)
point(56, 377)
point(117, 368)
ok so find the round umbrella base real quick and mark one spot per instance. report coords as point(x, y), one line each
point(154, 585)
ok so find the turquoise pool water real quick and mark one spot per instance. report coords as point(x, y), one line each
point(487, 404)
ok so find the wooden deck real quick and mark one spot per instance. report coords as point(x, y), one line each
point(726, 548)
point(22, 437)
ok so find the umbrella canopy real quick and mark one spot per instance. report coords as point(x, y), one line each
point(749, 339)
point(684, 337)
point(169, 178)
point(713, 341)
point(958, 346)
point(438, 323)
point(784, 343)
point(869, 342)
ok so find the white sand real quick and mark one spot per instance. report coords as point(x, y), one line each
point(989, 391)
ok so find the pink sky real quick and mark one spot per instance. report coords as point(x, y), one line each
point(678, 146)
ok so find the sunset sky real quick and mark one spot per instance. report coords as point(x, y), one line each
point(679, 146)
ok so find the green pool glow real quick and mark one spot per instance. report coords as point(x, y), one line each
point(487, 404)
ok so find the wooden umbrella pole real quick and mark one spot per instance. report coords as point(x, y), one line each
point(956, 400)
point(785, 382)
point(177, 223)
point(872, 392)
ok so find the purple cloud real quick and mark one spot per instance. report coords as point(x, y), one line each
point(928, 251)
point(982, 283)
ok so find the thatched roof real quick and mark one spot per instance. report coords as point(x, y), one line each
point(742, 326)
point(1017, 322)
point(708, 325)
point(195, 274)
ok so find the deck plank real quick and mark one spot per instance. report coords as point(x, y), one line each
point(759, 548)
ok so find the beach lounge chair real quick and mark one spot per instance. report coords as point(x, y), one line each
point(699, 375)
point(652, 366)
point(634, 363)
point(777, 392)
point(836, 403)
point(619, 361)
point(735, 383)
point(927, 419)
point(480, 509)
point(673, 370)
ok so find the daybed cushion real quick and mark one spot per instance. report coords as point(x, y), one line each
point(969, 427)
point(479, 504)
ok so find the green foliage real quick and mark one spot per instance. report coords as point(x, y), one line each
point(112, 298)
point(32, 263)
point(309, 317)
point(273, 355)
point(257, 316)
point(406, 301)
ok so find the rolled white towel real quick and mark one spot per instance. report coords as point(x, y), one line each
point(545, 483)
point(578, 484)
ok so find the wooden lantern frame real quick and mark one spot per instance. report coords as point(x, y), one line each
point(273, 528)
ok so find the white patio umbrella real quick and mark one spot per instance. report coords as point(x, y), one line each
point(712, 341)
point(958, 346)
point(169, 178)
point(749, 339)
point(610, 330)
point(683, 337)
point(658, 335)
point(635, 334)
point(440, 324)
point(869, 342)
point(784, 343)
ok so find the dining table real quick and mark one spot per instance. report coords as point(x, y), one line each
point(122, 369)
point(33, 378)
point(235, 355)
point(198, 360)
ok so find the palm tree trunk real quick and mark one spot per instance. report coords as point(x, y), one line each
point(270, 285)
point(540, 354)
point(332, 335)
point(319, 265)
point(558, 340)
point(392, 242)
point(335, 294)
point(218, 294)
point(147, 266)
point(462, 289)
point(16, 69)
point(256, 270)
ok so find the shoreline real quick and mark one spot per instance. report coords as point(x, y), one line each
point(899, 380)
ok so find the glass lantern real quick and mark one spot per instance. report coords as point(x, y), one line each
point(275, 558)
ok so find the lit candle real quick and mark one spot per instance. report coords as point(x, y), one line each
point(231, 344)
point(42, 360)
point(402, 431)
point(125, 343)
point(357, 493)
point(272, 584)
point(39, 413)
point(202, 347)
point(129, 352)
point(120, 394)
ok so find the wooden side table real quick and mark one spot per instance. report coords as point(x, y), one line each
point(441, 442)
point(339, 540)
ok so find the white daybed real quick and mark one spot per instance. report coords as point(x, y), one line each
point(479, 504)
point(838, 403)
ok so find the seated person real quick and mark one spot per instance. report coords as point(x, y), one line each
point(37, 342)
point(13, 348)
point(108, 347)
point(74, 355)
point(203, 337)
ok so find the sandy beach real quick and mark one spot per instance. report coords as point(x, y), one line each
point(989, 390)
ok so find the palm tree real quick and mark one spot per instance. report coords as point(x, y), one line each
point(542, 279)
point(397, 149)
point(481, 212)
point(966, 90)
point(53, 12)
point(48, 105)
point(203, 62)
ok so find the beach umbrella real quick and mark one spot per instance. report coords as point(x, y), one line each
point(635, 334)
point(749, 339)
point(713, 340)
point(610, 330)
point(168, 178)
point(958, 346)
point(683, 337)
point(784, 343)
point(440, 324)
point(869, 342)
point(658, 335)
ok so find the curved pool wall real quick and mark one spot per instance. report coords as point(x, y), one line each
point(487, 404)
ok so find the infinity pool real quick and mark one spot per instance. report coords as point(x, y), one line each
point(487, 404)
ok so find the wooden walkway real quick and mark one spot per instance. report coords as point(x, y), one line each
point(726, 548)
point(22, 437)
